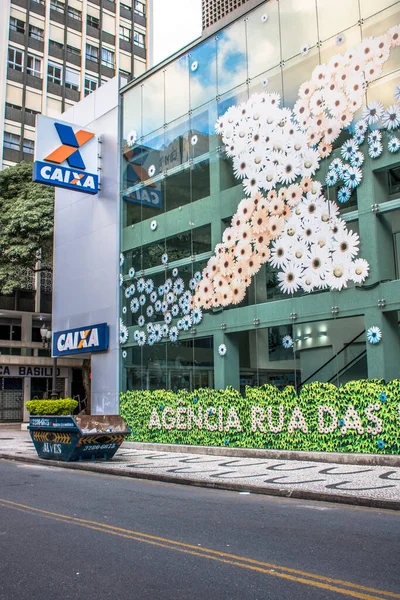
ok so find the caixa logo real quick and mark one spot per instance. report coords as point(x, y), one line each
point(51, 171)
point(91, 338)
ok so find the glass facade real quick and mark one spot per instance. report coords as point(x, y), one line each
point(180, 193)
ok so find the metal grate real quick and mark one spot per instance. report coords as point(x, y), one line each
point(214, 10)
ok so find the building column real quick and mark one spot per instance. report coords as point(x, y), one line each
point(226, 368)
point(383, 358)
point(26, 395)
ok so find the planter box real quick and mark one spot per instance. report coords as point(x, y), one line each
point(68, 438)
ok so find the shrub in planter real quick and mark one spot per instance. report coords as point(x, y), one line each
point(52, 407)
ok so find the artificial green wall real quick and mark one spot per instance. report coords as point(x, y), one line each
point(361, 416)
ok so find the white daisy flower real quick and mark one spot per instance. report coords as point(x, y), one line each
point(359, 270)
point(289, 278)
point(391, 117)
point(346, 244)
point(373, 112)
point(131, 138)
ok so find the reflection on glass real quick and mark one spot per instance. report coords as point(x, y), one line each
point(231, 57)
point(153, 103)
point(263, 39)
point(331, 22)
point(295, 72)
point(132, 112)
point(203, 73)
point(298, 23)
point(177, 89)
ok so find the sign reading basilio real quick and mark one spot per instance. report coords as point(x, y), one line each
point(90, 338)
point(65, 156)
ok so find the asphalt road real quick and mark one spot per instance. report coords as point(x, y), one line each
point(73, 534)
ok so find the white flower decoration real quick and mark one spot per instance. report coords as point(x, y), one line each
point(374, 335)
point(287, 342)
point(124, 310)
point(151, 170)
point(123, 332)
point(121, 259)
point(131, 138)
point(264, 18)
point(305, 49)
point(265, 83)
point(340, 39)
point(131, 272)
point(153, 225)
point(222, 349)
point(194, 139)
point(124, 354)
point(164, 258)
point(194, 65)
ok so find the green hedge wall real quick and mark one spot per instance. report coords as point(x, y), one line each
point(51, 407)
point(361, 416)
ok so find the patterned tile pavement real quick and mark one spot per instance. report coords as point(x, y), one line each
point(363, 483)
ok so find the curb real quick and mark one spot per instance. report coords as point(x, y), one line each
point(219, 485)
point(375, 460)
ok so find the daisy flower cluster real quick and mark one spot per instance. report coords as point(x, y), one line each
point(272, 147)
point(315, 249)
point(155, 308)
point(376, 122)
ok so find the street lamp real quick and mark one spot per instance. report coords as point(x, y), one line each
point(45, 332)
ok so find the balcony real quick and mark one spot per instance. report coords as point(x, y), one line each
point(109, 5)
point(14, 75)
point(37, 7)
point(33, 81)
point(17, 37)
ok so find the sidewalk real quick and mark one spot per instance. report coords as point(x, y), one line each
point(345, 478)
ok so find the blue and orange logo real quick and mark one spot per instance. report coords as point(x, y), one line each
point(50, 170)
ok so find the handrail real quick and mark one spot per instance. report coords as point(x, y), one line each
point(331, 359)
point(348, 366)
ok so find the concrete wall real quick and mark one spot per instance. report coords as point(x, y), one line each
point(86, 251)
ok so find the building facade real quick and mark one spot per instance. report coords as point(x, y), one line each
point(54, 53)
point(183, 181)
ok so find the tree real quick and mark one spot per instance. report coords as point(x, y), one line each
point(26, 226)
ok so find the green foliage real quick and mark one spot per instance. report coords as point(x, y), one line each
point(26, 225)
point(52, 407)
point(136, 408)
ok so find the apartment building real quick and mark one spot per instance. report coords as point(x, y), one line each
point(54, 53)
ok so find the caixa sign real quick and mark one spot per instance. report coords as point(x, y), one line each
point(65, 156)
point(91, 338)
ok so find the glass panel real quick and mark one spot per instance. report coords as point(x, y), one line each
point(298, 25)
point(177, 189)
point(380, 24)
point(203, 73)
point(177, 89)
point(331, 22)
point(177, 141)
point(295, 72)
point(263, 39)
point(203, 134)
point(371, 7)
point(153, 103)
point(351, 38)
point(200, 181)
point(269, 81)
point(231, 55)
point(132, 113)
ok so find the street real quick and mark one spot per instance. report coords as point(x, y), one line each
point(72, 534)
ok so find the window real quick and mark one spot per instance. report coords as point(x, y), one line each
point(125, 33)
point(90, 85)
point(107, 58)
point(12, 140)
point(56, 44)
point(30, 111)
point(93, 21)
point(92, 53)
point(15, 59)
point(15, 106)
point(72, 80)
point(17, 25)
point(34, 66)
point(138, 39)
point(74, 13)
point(73, 50)
point(125, 6)
point(39, 2)
point(54, 74)
point(139, 8)
point(36, 33)
point(57, 6)
point(28, 146)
